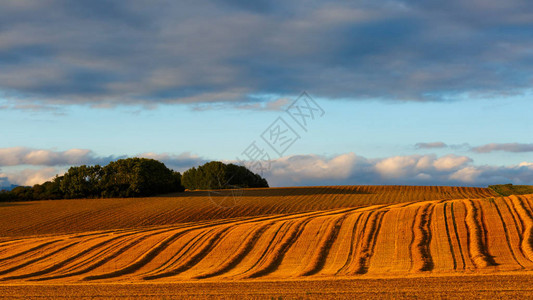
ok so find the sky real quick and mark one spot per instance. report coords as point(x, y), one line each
point(321, 93)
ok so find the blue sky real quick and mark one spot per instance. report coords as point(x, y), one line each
point(369, 128)
point(413, 93)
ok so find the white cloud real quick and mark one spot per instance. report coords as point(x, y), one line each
point(26, 166)
point(410, 170)
point(398, 166)
point(450, 162)
point(425, 162)
point(414, 165)
point(296, 170)
point(16, 156)
point(526, 164)
point(30, 177)
point(467, 174)
point(314, 167)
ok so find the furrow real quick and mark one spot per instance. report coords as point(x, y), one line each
point(422, 260)
point(194, 258)
point(65, 261)
point(183, 250)
point(476, 237)
point(241, 253)
point(354, 241)
point(368, 242)
point(38, 247)
point(527, 219)
point(99, 262)
point(27, 263)
point(274, 260)
point(319, 259)
point(456, 233)
point(449, 235)
point(507, 235)
point(141, 261)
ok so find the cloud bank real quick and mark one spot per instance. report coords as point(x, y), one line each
point(105, 53)
point(25, 166)
point(351, 169)
point(37, 157)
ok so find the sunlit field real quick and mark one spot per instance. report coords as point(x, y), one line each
point(286, 237)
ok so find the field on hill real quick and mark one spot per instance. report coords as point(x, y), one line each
point(67, 216)
point(272, 236)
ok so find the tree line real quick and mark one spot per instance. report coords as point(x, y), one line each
point(135, 177)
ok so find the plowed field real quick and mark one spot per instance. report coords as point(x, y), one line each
point(322, 234)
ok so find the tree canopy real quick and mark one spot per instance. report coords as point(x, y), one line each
point(135, 177)
point(131, 177)
point(217, 175)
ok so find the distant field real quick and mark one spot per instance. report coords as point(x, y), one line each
point(510, 189)
point(66, 216)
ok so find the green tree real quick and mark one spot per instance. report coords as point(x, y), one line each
point(22, 193)
point(217, 175)
point(178, 187)
point(134, 177)
point(241, 176)
point(81, 182)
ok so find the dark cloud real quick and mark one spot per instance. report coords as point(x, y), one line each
point(507, 147)
point(493, 147)
point(4, 182)
point(432, 145)
point(106, 53)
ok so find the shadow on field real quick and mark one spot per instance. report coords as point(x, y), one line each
point(272, 192)
point(13, 203)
